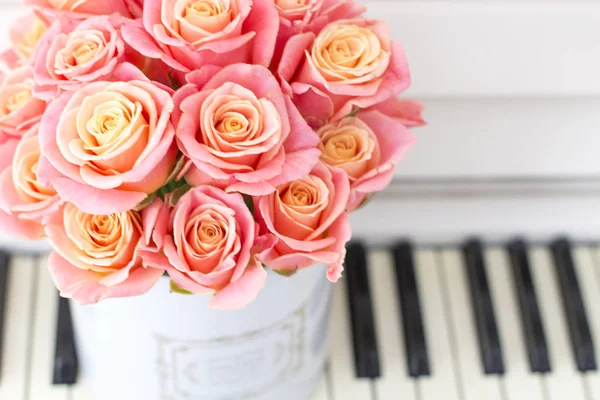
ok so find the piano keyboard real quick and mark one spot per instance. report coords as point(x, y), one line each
point(455, 323)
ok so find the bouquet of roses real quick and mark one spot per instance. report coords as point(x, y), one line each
point(208, 139)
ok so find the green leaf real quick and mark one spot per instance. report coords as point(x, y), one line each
point(354, 111)
point(249, 203)
point(286, 272)
point(176, 289)
point(178, 192)
point(146, 202)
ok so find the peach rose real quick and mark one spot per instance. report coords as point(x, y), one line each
point(24, 201)
point(207, 244)
point(81, 9)
point(351, 63)
point(71, 55)
point(110, 144)
point(367, 147)
point(404, 111)
point(240, 132)
point(307, 221)
point(19, 109)
point(297, 16)
point(97, 256)
point(188, 34)
point(24, 35)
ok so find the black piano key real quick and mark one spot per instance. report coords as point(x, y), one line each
point(65, 355)
point(361, 313)
point(531, 317)
point(4, 267)
point(410, 306)
point(577, 322)
point(483, 310)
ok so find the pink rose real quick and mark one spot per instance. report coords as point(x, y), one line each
point(110, 144)
point(24, 35)
point(308, 222)
point(97, 256)
point(207, 247)
point(73, 54)
point(297, 16)
point(188, 34)
point(241, 132)
point(404, 111)
point(24, 201)
point(351, 63)
point(82, 9)
point(19, 110)
point(367, 148)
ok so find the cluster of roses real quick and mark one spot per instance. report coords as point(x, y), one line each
point(204, 138)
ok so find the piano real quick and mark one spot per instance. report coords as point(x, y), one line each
point(476, 275)
point(476, 321)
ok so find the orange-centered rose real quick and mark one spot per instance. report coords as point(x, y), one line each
point(24, 200)
point(349, 53)
point(110, 143)
point(19, 110)
point(350, 64)
point(96, 256)
point(367, 148)
point(350, 145)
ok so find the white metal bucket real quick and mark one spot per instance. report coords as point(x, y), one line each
point(165, 346)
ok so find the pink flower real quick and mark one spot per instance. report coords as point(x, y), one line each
point(298, 16)
point(97, 256)
point(19, 110)
point(404, 111)
point(110, 144)
point(367, 148)
point(188, 34)
point(82, 9)
point(24, 201)
point(73, 54)
point(24, 35)
point(351, 63)
point(207, 247)
point(307, 221)
point(240, 132)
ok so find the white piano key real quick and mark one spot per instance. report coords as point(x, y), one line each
point(588, 273)
point(17, 335)
point(321, 392)
point(519, 382)
point(564, 381)
point(392, 356)
point(44, 334)
point(476, 385)
point(443, 381)
point(83, 391)
point(345, 384)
